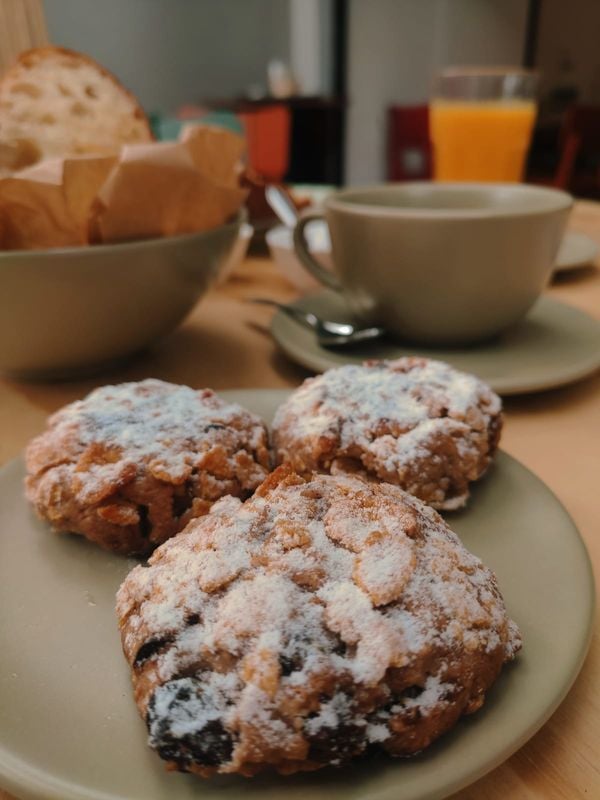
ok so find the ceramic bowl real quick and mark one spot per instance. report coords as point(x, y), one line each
point(68, 311)
point(238, 253)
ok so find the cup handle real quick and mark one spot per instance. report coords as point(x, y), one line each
point(307, 260)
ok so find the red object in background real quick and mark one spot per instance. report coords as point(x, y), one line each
point(409, 147)
point(268, 136)
point(580, 137)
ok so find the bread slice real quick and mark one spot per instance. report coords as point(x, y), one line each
point(56, 102)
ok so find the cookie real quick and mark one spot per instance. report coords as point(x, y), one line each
point(130, 465)
point(413, 422)
point(321, 618)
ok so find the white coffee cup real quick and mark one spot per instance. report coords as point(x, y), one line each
point(444, 264)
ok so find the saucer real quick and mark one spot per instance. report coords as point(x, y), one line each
point(576, 250)
point(554, 345)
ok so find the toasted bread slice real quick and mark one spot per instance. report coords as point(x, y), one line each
point(56, 102)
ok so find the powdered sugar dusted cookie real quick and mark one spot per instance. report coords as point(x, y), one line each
point(321, 617)
point(130, 465)
point(417, 423)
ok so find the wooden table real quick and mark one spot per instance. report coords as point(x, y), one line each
point(225, 344)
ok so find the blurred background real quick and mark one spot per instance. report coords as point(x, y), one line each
point(335, 91)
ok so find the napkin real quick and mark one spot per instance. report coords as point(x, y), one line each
point(144, 191)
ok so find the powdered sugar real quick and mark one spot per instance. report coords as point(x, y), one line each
point(331, 714)
point(378, 391)
point(414, 422)
point(377, 733)
point(154, 420)
point(368, 394)
point(276, 612)
point(433, 692)
point(129, 465)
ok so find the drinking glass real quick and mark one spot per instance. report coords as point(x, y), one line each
point(481, 122)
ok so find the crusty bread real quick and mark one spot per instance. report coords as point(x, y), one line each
point(56, 102)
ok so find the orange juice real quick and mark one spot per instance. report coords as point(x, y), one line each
point(480, 140)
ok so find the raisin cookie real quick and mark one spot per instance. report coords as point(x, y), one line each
point(321, 617)
point(130, 465)
point(413, 422)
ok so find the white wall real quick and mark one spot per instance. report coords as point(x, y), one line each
point(568, 51)
point(394, 49)
point(305, 44)
point(170, 52)
point(487, 32)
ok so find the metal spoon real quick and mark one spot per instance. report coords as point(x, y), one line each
point(328, 333)
point(281, 205)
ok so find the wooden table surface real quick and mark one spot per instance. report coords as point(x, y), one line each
point(224, 343)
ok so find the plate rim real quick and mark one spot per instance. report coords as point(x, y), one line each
point(593, 250)
point(505, 387)
point(32, 781)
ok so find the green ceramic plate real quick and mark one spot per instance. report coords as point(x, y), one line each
point(555, 344)
point(69, 729)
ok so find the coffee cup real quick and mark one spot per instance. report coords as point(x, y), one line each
point(440, 264)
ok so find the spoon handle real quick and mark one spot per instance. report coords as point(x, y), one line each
point(281, 205)
point(306, 318)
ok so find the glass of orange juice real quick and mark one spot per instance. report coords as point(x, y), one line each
point(481, 122)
